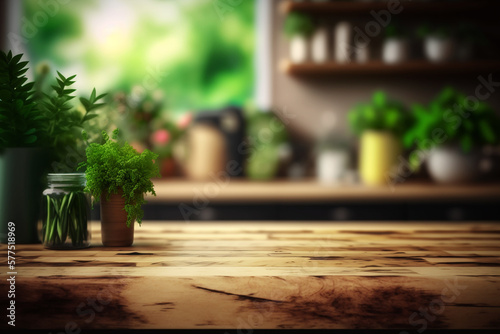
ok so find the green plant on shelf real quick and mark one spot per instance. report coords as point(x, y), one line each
point(457, 121)
point(382, 114)
point(297, 24)
point(112, 166)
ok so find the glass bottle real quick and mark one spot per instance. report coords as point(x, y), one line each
point(65, 212)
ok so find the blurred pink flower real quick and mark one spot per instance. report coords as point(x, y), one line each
point(184, 120)
point(160, 137)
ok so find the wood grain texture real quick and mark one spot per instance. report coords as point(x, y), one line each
point(268, 275)
point(237, 190)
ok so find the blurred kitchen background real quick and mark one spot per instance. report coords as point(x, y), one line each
point(288, 110)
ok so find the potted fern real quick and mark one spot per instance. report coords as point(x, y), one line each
point(454, 132)
point(298, 28)
point(120, 177)
point(381, 125)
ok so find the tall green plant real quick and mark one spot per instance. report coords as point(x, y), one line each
point(21, 122)
point(112, 167)
point(63, 120)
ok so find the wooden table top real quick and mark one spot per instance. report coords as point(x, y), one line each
point(309, 190)
point(267, 275)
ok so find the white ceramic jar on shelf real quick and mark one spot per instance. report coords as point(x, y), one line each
point(395, 50)
point(299, 49)
point(319, 45)
point(342, 42)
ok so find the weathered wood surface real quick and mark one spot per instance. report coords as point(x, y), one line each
point(268, 275)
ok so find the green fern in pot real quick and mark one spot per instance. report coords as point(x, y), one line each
point(120, 177)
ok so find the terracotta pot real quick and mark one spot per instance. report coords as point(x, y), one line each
point(167, 168)
point(114, 230)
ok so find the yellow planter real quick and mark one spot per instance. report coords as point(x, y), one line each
point(378, 153)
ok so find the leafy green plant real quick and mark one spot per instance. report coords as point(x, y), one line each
point(456, 120)
point(112, 167)
point(394, 30)
point(382, 114)
point(63, 121)
point(266, 135)
point(297, 24)
point(21, 122)
point(426, 30)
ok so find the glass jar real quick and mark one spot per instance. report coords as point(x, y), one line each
point(65, 212)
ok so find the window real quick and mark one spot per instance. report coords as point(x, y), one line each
point(198, 53)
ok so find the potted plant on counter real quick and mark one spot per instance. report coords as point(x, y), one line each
point(380, 124)
point(298, 28)
point(37, 129)
point(456, 131)
point(120, 177)
point(23, 161)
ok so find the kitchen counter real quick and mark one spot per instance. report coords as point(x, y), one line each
point(267, 275)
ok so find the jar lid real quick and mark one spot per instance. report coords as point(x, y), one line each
point(66, 178)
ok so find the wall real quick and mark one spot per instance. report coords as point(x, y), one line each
point(307, 98)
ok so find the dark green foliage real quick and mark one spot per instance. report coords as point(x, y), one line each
point(458, 121)
point(50, 120)
point(298, 24)
point(20, 120)
point(382, 114)
point(112, 167)
point(266, 135)
point(395, 30)
point(63, 121)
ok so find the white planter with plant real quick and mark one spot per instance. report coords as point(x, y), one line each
point(380, 125)
point(396, 47)
point(457, 141)
point(298, 28)
point(439, 45)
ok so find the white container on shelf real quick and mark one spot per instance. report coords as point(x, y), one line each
point(395, 50)
point(342, 42)
point(438, 49)
point(362, 52)
point(319, 45)
point(331, 165)
point(299, 49)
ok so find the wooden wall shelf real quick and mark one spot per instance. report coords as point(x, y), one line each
point(243, 191)
point(379, 68)
point(409, 7)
